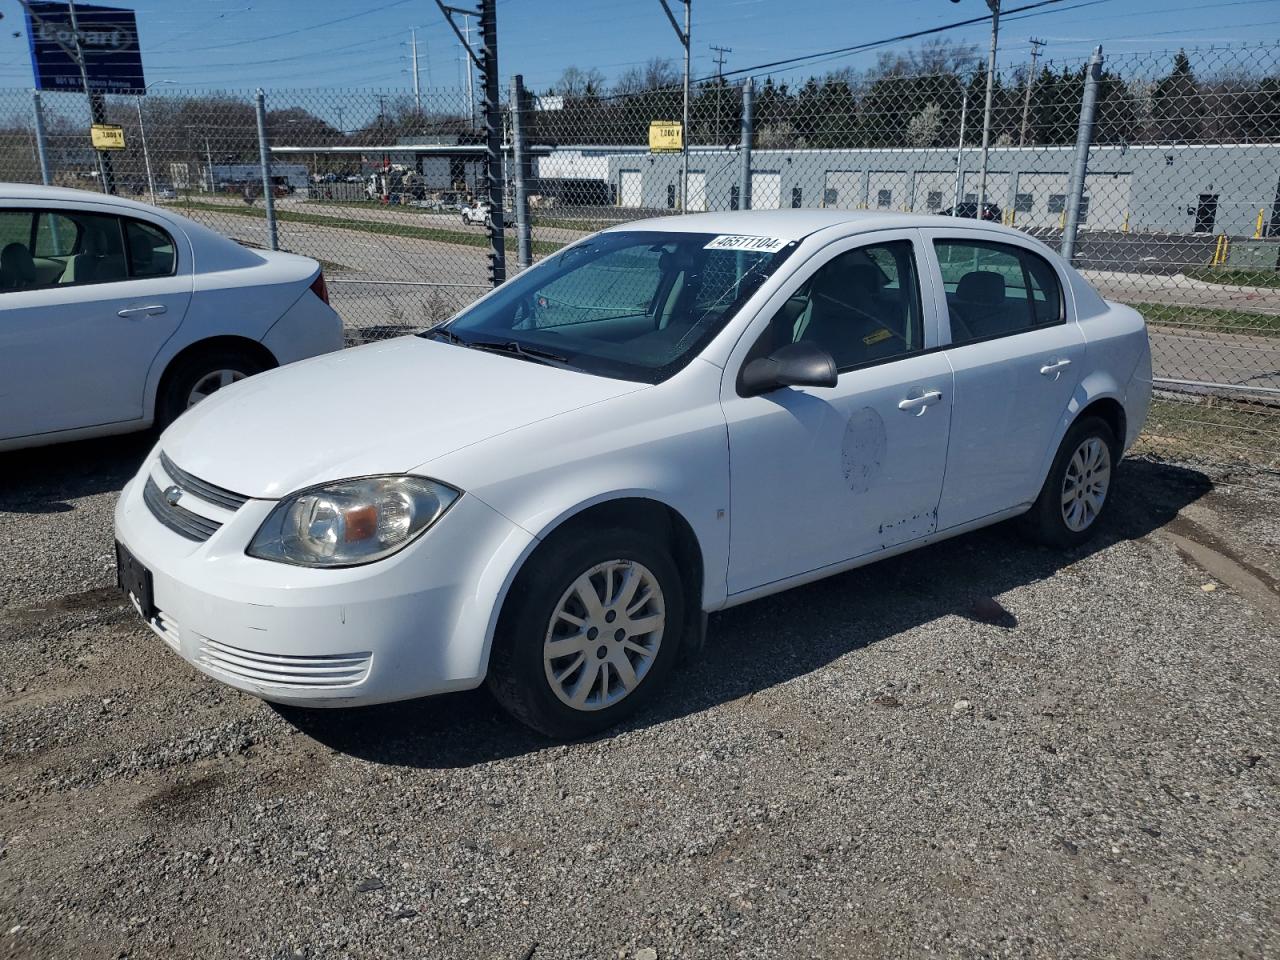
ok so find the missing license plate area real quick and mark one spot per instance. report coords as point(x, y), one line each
point(135, 580)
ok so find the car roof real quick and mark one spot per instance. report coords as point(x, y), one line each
point(35, 191)
point(796, 224)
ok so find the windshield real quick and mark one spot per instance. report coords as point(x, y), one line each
point(635, 305)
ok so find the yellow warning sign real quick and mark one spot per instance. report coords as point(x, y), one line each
point(107, 136)
point(666, 136)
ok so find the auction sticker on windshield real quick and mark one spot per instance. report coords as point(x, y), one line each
point(755, 244)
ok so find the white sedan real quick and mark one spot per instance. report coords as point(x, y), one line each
point(664, 419)
point(115, 315)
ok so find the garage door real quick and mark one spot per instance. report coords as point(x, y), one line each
point(934, 191)
point(697, 191)
point(766, 189)
point(630, 189)
point(888, 189)
point(843, 189)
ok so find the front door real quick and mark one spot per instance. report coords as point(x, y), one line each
point(85, 306)
point(1017, 353)
point(1206, 212)
point(823, 475)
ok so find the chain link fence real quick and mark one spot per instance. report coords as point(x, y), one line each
point(1175, 182)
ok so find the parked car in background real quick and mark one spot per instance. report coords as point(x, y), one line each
point(664, 419)
point(477, 211)
point(990, 212)
point(115, 315)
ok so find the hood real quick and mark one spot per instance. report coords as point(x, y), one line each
point(378, 409)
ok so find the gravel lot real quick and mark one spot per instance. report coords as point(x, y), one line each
point(980, 749)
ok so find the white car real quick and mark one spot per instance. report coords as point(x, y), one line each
point(115, 315)
point(664, 419)
point(476, 212)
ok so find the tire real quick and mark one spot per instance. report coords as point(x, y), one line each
point(183, 378)
point(1067, 513)
point(523, 672)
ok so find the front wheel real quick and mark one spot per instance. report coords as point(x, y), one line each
point(591, 627)
point(1076, 492)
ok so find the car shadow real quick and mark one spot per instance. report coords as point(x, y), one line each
point(770, 641)
point(47, 479)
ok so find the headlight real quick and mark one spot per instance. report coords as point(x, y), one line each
point(351, 522)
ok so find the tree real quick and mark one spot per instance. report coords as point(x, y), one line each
point(923, 129)
point(1177, 108)
point(575, 82)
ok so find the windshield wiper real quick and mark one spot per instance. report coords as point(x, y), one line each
point(444, 333)
point(515, 349)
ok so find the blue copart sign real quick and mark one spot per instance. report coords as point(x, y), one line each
point(108, 41)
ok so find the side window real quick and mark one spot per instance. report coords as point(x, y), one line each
point(17, 268)
point(151, 250)
point(862, 306)
point(995, 290)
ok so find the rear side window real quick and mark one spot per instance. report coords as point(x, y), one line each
point(996, 290)
point(151, 250)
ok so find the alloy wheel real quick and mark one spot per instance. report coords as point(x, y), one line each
point(604, 635)
point(1084, 486)
point(211, 383)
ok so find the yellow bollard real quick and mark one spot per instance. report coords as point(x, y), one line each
point(1257, 230)
point(1062, 220)
point(1125, 228)
point(1217, 250)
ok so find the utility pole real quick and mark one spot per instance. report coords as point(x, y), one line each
point(471, 91)
point(1031, 79)
point(986, 114)
point(486, 61)
point(964, 111)
point(719, 58)
point(417, 89)
point(685, 36)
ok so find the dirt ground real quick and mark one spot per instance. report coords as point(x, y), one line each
point(980, 749)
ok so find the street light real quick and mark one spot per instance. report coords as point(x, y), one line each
point(994, 5)
point(142, 132)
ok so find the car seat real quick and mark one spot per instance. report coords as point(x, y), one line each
point(17, 268)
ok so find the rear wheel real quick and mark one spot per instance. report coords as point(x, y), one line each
point(197, 377)
point(1078, 488)
point(589, 631)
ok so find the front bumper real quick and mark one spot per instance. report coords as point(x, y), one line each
point(414, 624)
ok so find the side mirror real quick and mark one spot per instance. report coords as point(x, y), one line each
point(801, 364)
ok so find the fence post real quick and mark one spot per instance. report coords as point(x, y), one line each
point(1084, 136)
point(518, 160)
point(264, 160)
point(42, 151)
point(744, 173)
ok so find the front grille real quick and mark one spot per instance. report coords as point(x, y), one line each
point(198, 488)
point(167, 628)
point(178, 519)
point(320, 671)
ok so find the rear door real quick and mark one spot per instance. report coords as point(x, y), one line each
point(1017, 352)
point(822, 475)
point(81, 327)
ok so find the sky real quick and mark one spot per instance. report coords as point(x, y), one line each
point(236, 44)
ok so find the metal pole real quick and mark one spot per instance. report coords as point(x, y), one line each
point(986, 116)
point(417, 89)
point(471, 90)
point(964, 111)
point(518, 160)
point(42, 150)
point(1084, 135)
point(208, 156)
point(146, 155)
point(1031, 79)
point(493, 139)
point(268, 194)
point(684, 128)
point(744, 169)
point(97, 108)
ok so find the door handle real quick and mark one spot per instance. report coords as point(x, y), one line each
point(1053, 368)
point(150, 310)
point(917, 405)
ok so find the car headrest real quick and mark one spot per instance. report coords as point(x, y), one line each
point(981, 286)
point(17, 269)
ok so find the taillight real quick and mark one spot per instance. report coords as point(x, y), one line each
point(319, 288)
